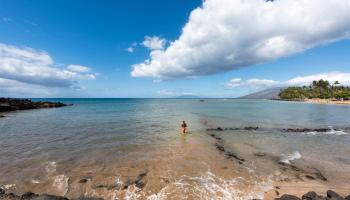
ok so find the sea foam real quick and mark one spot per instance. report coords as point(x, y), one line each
point(332, 131)
point(289, 157)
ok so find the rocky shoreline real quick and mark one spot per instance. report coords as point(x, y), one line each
point(301, 173)
point(33, 196)
point(331, 195)
point(12, 104)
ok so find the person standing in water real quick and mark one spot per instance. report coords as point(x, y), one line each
point(183, 127)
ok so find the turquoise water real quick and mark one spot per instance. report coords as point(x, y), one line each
point(111, 132)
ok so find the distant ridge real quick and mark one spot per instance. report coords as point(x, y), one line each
point(271, 93)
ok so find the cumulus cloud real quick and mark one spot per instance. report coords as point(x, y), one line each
point(173, 93)
point(343, 78)
point(130, 49)
point(27, 65)
point(224, 35)
point(154, 43)
point(12, 88)
point(78, 68)
point(236, 82)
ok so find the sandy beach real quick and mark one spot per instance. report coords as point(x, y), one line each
point(327, 101)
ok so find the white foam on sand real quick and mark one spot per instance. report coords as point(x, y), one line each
point(132, 193)
point(209, 186)
point(35, 181)
point(60, 183)
point(206, 187)
point(8, 186)
point(289, 157)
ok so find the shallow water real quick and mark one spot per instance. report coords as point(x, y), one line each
point(109, 142)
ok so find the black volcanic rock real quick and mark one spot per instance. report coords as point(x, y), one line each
point(311, 196)
point(334, 196)
point(33, 196)
point(288, 197)
point(10, 104)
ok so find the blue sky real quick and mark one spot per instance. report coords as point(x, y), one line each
point(83, 49)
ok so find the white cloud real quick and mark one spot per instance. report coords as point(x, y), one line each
point(30, 66)
point(130, 49)
point(174, 93)
point(12, 88)
point(236, 82)
point(343, 78)
point(154, 43)
point(78, 68)
point(224, 35)
point(256, 83)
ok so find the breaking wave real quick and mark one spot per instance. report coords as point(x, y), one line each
point(332, 131)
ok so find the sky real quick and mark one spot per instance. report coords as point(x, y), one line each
point(157, 48)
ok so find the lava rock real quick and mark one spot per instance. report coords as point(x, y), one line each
point(334, 196)
point(288, 197)
point(312, 196)
point(11, 104)
point(49, 197)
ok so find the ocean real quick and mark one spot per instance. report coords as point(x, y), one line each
point(132, 149)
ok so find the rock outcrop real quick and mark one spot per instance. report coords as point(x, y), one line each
point(10, 104)
point(331, 195)
point(33, 196)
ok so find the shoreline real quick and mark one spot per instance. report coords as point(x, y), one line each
point(318, 101)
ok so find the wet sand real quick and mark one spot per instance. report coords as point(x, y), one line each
point(191, 168)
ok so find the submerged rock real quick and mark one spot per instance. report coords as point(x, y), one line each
point(303, 130)
point(138, 181)
point(247, 128)
point(259, 154)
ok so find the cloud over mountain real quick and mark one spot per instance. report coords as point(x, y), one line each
point(343, 78)
point(224, 35)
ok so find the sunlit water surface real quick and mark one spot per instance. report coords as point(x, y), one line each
point(98, 146)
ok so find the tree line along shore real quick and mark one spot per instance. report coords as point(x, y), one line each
point(321, 91)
